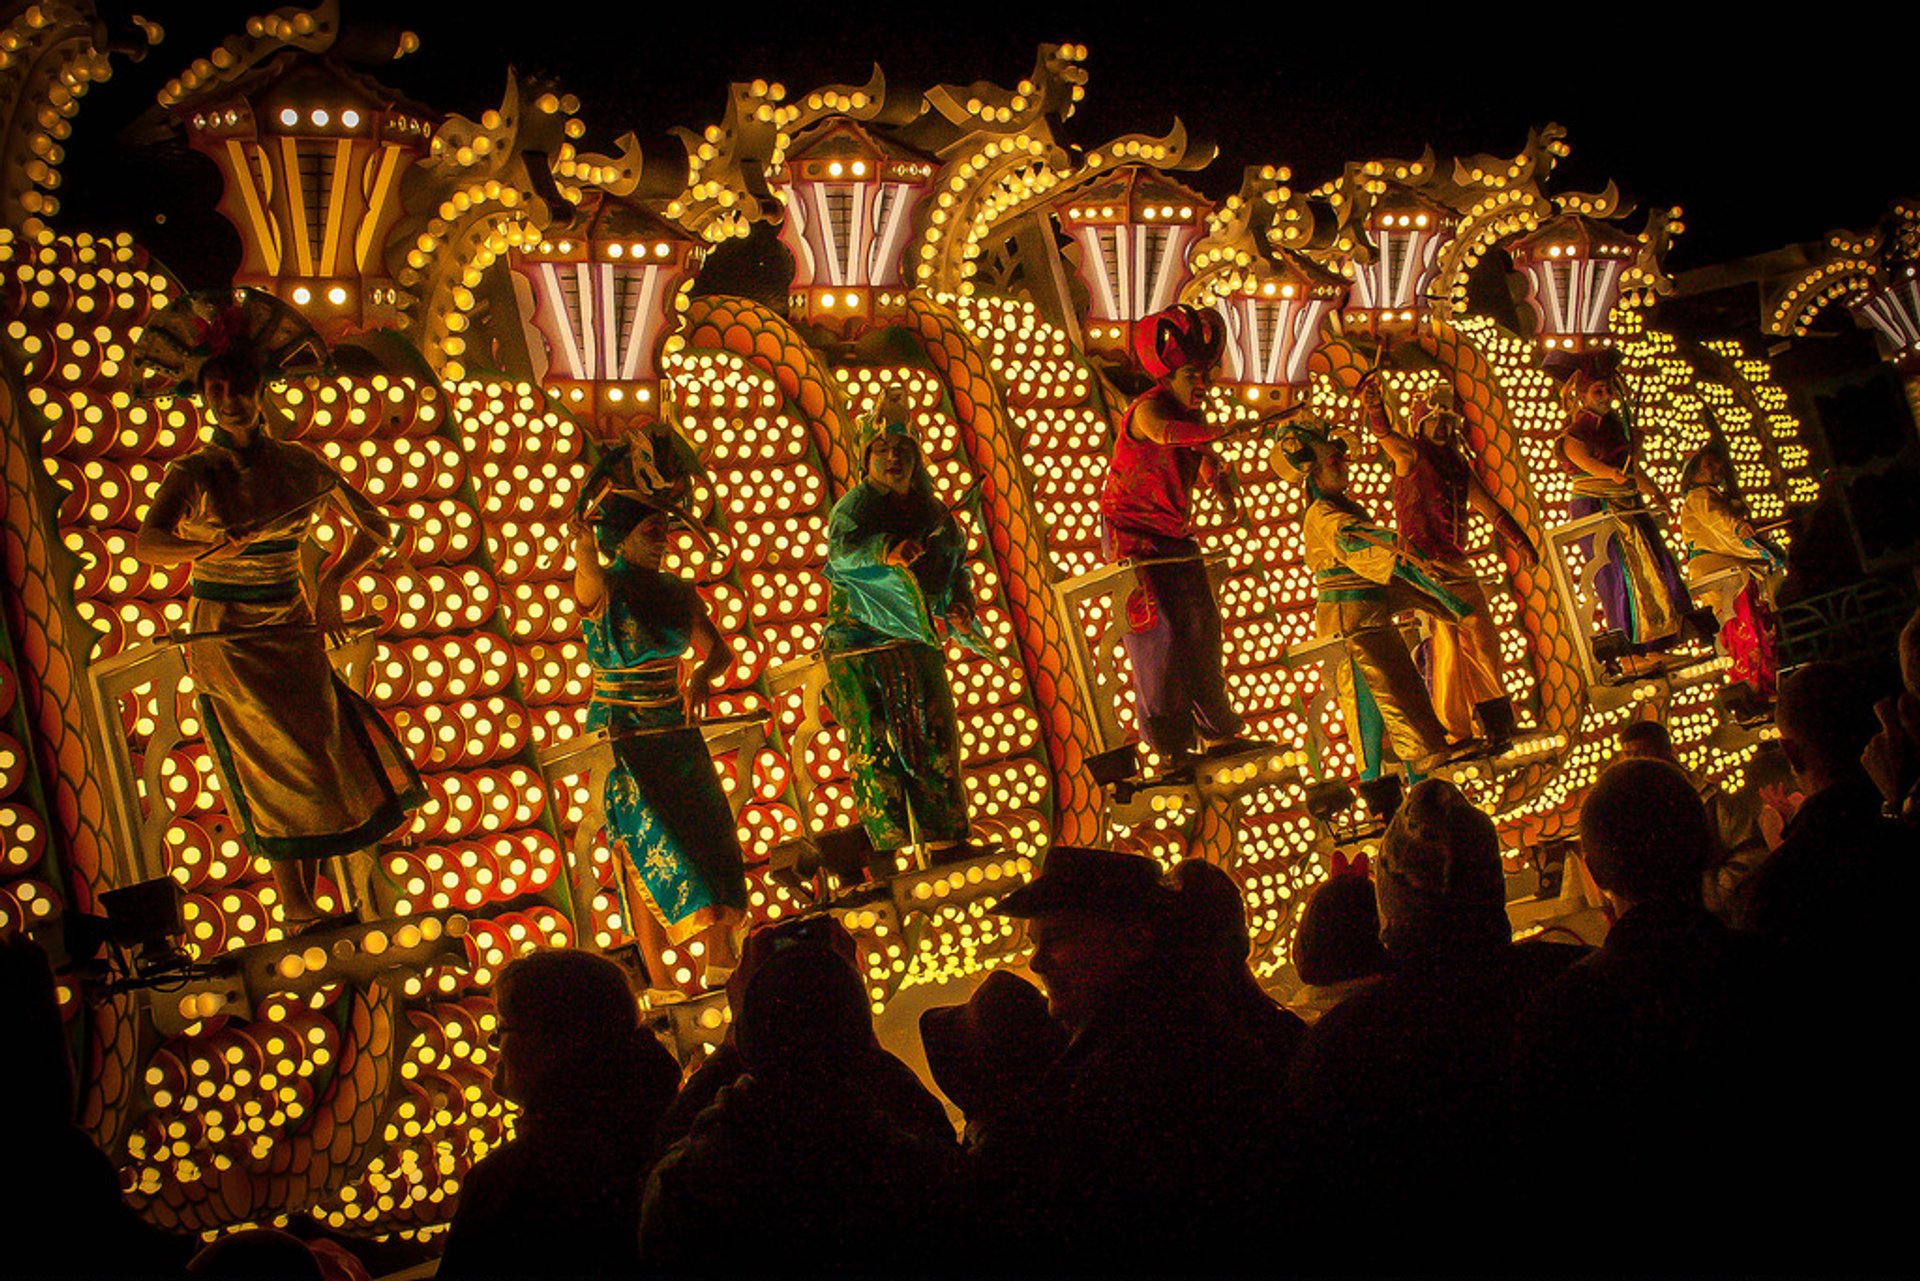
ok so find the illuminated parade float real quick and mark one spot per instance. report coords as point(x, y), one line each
point(497, 332)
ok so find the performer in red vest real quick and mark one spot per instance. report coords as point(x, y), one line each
point(1164, 446)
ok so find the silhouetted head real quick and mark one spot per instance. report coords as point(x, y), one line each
point(1096, 917)
point(570, 1033)
point(1645, 833)
point(1646, 741)
point(1825, 716)
point(1439, 884)
point(803, 1009)
point(1339, 933)
point(985, 1053)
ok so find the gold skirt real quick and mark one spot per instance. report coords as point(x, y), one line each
point(309, 768)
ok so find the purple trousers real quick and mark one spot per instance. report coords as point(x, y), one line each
point(1173, 641)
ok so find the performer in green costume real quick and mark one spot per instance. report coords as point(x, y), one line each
point(898, 579)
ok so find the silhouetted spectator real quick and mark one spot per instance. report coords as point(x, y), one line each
point(989, 1055)
point(62, 1214)
point(1647, 1058)
point(1209, 945)
point(563, 1196)
point(1401, 1093)
point(796, 1167)
point(1739, 845)
point(1892, 757)
point(1835, 887)
point(1336, 947)
point(891, 1084)
point(1151, 1144)
point(1835, 898)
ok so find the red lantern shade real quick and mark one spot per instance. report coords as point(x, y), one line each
point(602, 299)
point(851, 200)
point(1575, 267)
point(1135, 228)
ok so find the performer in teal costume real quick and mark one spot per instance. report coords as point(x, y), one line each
point(666, 814)
point(898, 579)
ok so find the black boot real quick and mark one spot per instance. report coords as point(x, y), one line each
point(1496, 723)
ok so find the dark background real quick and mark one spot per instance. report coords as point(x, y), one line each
point(1765, 132)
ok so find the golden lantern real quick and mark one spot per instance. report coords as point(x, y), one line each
point(1274, 323)
point(313, 155)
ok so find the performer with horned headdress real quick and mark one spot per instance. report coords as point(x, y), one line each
point(1641, 591)
point(898, 583)
point(1162, 448)
point(1433, 489)
point(1363, 576)
point(309, 769)
point(1719, 538)
point(667, 817)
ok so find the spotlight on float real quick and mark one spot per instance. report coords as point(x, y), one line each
point(1116, 766)
point(1326, 801)
point(146, 917)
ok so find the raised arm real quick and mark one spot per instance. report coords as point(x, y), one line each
point(589, 577)
point(1398, 449)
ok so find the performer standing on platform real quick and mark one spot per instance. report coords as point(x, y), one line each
point(1433, 487)
point(1363, 577)
point(1719, 539)
point(309, 769)
point(1162, 448)
point(667, 816)
point(1640, 587)
point(898, 581)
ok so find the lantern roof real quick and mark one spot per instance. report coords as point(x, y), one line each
point(839, 138)
point(1134, 194)
point(1574, 236)
point(603, 216)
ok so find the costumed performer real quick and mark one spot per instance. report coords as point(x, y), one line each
point(667, 817)
point(897, 584)
point(1162, 448)
point(1641, 591)
point(309, 769)
point(1433, 488)
point(1718, 539)
point(1362, 577)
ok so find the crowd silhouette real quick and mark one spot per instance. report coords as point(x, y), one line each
point(1721, 1086)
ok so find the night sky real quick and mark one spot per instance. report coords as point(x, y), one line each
point(1677, 107)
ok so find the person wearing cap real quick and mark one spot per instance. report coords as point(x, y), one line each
point(668, 820)
point(1161, 449)
point(1400, 1095)
point(1150, 1138)
point(898, 585)
point(310, 770)
point(1363, 575)
point(1434, 489)
point(562, 1197)
point(1641, 590)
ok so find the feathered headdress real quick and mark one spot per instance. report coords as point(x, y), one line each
point(221, 324)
